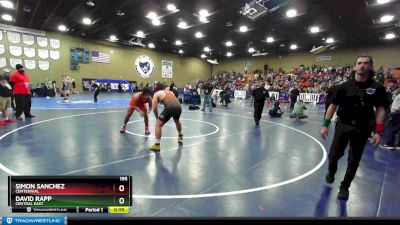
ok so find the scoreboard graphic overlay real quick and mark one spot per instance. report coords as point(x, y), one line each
point(70, 194)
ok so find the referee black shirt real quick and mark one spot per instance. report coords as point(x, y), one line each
point(260, 94)
point(356, 101)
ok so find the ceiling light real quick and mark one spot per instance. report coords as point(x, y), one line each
point(212, 61)
point(198, 35)
point(251, 50)
point(314, 29)
point(206, 49)
point(180, 51)
point(243, 29)
point(90, 3)
point(156, 22)
point(229, 43)
point(7, 4)
point(87, 21)
point(203, 56)
point(382, 1)
point(6, 17)
point(330, 40)
point(183, 25)
point(171, 7)
point(62, 28)
point(293, 46)
point(178, 42)
point(291, 13)
point(270, 39)
point(113, 37)
point(140, 34)
point(120, 13)
point(203, 13)
point(151, 45)
point(390, 36)
point(203, 19)
point(229, 54)
point(260, 54)
point(152, 15)
point(386, 18)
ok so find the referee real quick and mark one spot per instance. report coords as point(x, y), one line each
point(96, 90)
point(260, 94)
point(356, 99)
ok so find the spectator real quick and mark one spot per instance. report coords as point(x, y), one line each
point(5, 99)
point(274, 108)
point(74, 91)
point(207, 90)
point(6, 76)
point(226, 95)
point(134, 87)
point(298, 110)
point(392, 90)
point(171, 86)
point(141, 87)
point(175, 91)
point(120, 88)
point(393, 126)
point(108, 87)
point(22, 92)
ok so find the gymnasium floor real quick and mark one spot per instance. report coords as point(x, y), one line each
point(226, 167)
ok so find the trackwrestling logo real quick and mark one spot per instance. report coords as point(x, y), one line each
point(33, 220)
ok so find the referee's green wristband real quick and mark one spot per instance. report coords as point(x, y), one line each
point(326, 123)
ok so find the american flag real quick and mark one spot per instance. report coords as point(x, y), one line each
point(101, 57)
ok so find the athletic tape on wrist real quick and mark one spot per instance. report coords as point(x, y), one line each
point(326, 123)
point(379, 128)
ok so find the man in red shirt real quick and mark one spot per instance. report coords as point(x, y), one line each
point(22, 92)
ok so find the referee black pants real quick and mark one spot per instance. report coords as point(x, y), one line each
point(23, 104)
point(12, 102)
point(292, 102)
point(96, 93)
point(258, 109)
point(357, 136)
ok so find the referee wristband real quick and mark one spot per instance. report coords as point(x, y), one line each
point(326, 123)
point(379, 128)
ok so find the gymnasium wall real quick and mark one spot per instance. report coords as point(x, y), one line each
point(122, 63)
point(386, 55)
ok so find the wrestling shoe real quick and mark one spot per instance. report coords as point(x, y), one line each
point(343, 194)
point(123, 129)
point(155, 147)
point(329, 178)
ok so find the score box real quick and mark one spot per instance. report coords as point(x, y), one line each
point(69, 191)
point(86, 210)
